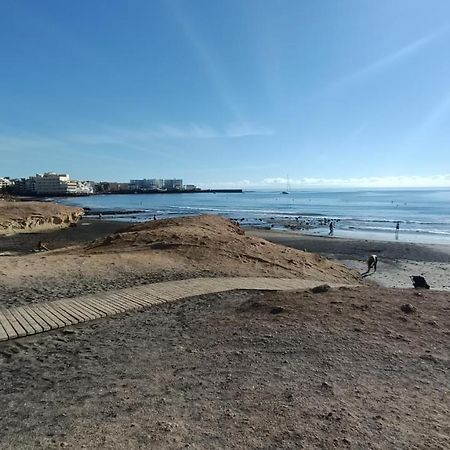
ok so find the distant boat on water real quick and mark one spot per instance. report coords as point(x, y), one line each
point(288, 186)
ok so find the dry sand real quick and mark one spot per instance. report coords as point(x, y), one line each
point(342, 369)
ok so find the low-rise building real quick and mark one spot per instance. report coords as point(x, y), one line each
point(51, 183)
point(159, 184)
point(5, 183)
point(152, 184)
point(173, 184)
point(111, 187)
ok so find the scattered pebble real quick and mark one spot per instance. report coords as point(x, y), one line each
point(69, 331)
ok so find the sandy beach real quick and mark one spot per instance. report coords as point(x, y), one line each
point(346, 368)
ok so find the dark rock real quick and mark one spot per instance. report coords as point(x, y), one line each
point(320, 289)
point(276, 310)
point(408, 308)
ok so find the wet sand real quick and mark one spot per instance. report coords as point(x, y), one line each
point(86, 231)
point(397, 261)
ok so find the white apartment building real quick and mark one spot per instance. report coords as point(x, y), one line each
point(173, 184)
point(4, 182)
point(51, 183)
point(151, 184)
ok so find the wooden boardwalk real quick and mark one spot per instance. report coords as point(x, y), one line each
point(36, 318)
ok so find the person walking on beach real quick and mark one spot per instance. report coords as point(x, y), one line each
point(331, 229)
point(42, 247)
point(397, 229)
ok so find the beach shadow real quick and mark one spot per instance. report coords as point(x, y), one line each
point(367, 274)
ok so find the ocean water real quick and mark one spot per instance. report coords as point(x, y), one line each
point(424, 215)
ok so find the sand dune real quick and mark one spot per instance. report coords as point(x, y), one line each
point(219, 244)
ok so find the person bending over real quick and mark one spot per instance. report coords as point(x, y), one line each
point(372, 262)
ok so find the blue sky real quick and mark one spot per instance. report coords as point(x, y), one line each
point(228, 93)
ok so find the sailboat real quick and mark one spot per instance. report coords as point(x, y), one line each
point(288, 187)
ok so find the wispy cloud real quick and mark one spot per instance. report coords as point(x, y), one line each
point(209, 60)
point(417, 139)
point(436, 116)
point(111, 135)
point(27, 143)
point(245, 129)
point(151, 140)
point(366, 182)
point(279, 183)
point(389, 60)
point(43, 147)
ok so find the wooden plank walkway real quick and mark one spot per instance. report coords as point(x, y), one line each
point(36, 318)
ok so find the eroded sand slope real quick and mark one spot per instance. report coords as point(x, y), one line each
point(16, 217)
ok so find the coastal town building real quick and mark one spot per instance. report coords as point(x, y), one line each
point(173, 185)
point(152, 184)
point(5, 183)
point(111, 187)
point(157, 184)
point(51, 183)
point(60, 184)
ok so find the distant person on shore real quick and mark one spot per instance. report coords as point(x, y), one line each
point(331, 229)
point(397, 227)
point(42, 247)
point(100, 216)
point(372, 262)
point(154, 217)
